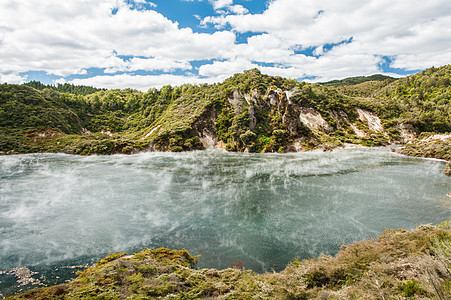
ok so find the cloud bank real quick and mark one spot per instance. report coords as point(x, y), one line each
point(131, 44)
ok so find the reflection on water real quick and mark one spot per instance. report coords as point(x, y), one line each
point(260, 209)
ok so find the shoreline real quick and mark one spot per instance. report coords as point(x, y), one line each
point(307, 279)
point(382, 151)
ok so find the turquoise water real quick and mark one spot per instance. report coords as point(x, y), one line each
point(263, 210)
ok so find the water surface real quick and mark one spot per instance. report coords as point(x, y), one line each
point(263, 210)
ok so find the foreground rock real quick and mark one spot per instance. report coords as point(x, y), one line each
point(399, 264)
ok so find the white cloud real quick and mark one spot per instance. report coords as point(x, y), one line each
point(346, 38)
point(146, 2)
point(140, 82)
point(421, 61)
point(153, 64)
point(408, 30)
point(67, 37)
point(224, 69)
point(264, 48)
point(115, 64)
point(218, 4)
point(222, 7)
point(141, 4)
point(12, 78)
point(291, 72)
point(59, 81)
point(329, 67)
point(238, 9)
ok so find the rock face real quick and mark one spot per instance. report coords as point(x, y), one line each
point(407, 132)
point(247, 112)
point(371, 119)
point(151, 131)
point(313, 119)
point(238, 102)
point(275, 119)
point(208, 140)
point(286, 120)
point(437, 138)
point(252, 119)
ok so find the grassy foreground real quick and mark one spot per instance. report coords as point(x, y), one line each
point(400, 264)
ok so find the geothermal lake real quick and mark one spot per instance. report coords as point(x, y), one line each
point(263, 210)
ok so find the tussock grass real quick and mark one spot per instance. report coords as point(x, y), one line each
point(399, 264)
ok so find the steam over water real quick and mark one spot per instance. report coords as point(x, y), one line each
point(260, 209)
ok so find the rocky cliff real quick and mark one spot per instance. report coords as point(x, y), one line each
point(247, 112)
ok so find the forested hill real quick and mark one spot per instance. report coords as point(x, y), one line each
point(359, 79)
point(64, 88)
point(249, 111)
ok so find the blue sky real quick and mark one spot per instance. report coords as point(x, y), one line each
point(143, 44)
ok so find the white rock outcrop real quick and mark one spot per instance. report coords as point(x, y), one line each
point(373, 121)
point(313, 119)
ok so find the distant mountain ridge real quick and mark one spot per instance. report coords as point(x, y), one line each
point(358, 79)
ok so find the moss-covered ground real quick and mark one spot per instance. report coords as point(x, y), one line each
point(399, 264)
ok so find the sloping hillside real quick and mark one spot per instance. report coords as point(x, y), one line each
point(247, 112)
point(422, 100)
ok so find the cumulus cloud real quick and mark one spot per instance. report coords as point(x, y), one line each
point(152, 64)
point(223, 69)
point(320, 39)
point(218, 4)
point(225, 6)
point(12, 78)
point(145, 64)
point(238, 9)
point(68, 37)
point(407, 31)
point(145, 2)
point(141, 82)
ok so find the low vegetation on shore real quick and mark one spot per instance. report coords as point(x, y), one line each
point(430, 145)
point(399, 264)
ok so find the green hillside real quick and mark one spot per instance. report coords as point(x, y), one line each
point(423, 99)
point(358, 79)
point(248, 112)
point(64, 88)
